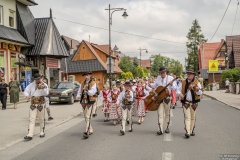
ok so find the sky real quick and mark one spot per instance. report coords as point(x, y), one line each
point(165, 22)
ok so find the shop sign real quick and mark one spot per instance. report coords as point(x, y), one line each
point(12, 47)
point(52, 63)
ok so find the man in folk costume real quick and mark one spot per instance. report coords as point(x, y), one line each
point(147, 88)
point(126, 98)
point(190, 94)
point(113, 104)
point(141, 93)
point(164, 107)
point(87, 95)
point(36, 91)
point(105, 96)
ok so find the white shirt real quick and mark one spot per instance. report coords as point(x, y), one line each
point(32, 91)
point(189, 94)
point(227, 83)
point(122, 96)
point(163, 82)
point(90, 92)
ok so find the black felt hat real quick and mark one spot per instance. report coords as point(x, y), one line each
point(36, 76)
point(118, 82)
point(127, 83)
point(86, 73)
point(162, 69)
point(190, 71)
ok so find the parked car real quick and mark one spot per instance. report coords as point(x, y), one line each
point(64, 92)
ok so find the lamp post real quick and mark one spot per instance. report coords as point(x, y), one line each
point(111, 11)
point(141, 55)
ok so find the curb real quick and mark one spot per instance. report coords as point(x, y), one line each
point(221, 101)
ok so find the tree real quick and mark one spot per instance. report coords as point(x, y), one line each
point(195, 37)
point(135, 62)
point(157, 63)
point(173, 66)
point(126, 75)
point(125, 64)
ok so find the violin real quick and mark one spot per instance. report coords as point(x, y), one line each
point(193, 86)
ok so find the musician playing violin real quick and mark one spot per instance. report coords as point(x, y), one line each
point(163, 80)
point(87, 95)
point(190, 94)
point(36, 91)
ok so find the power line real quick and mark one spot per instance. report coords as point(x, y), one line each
point(130, 34)
point(221, 20)
point(235, 17)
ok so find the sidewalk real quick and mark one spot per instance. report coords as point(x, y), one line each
point(14, 122)
point(230, 99)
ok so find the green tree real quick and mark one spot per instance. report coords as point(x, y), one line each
point(156, 64)
point(173, 66)
point(126, 75)
point(195, 37)
point(135, 61)
point(126, 64)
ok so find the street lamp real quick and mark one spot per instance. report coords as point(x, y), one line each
point(141, 55)
point(111, 11)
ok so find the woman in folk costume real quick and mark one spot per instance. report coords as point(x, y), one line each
point(145, 84)
point(134, 86)
point(105, 96)
point(141, 94)
point(113, 105)
point(173, 95)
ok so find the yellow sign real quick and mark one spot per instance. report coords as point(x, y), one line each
point(213, 65)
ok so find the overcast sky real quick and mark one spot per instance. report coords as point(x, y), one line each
point(161, 19)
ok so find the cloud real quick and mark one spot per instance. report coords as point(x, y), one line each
point(169, 20)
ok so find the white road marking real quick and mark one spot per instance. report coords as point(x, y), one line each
point(167, 156)
point(167, 137)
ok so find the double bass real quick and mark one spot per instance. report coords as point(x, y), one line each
point(153, 100)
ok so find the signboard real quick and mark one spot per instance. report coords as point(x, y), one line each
point(11, 47)
point(52, 63)
point(213, 65)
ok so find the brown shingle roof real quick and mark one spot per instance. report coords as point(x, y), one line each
point(210, 50)
point(74, 43)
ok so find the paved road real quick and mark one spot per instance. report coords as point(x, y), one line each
point(217, 132)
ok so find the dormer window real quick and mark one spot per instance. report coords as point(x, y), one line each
point(1, 15)
point(11, 18)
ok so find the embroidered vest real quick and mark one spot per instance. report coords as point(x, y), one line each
point(140, 92)
point(85, 97)
point(195, 97)
point(114, 96)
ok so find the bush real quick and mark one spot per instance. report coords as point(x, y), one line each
point(232, 74)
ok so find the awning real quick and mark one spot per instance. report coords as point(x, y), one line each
point(12, 35)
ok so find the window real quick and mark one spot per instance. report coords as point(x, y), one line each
point(11, 18)
point(1, 15)
point(2, 64)
point(13, 65)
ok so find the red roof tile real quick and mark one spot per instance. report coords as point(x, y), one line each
point(210, 50)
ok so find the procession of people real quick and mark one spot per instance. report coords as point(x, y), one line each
point(123, 101)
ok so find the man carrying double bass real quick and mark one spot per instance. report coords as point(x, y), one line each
point(163, 80)
point(190, 93)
